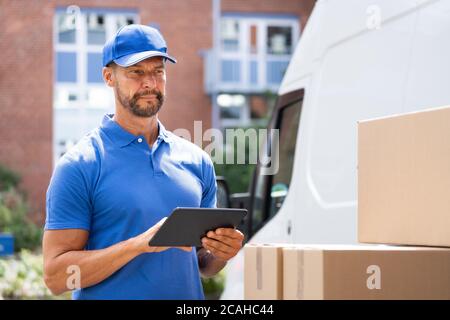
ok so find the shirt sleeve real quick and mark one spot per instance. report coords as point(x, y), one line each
point(67, 199)
point(210, 184)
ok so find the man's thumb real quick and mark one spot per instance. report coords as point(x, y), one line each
point(161, 222)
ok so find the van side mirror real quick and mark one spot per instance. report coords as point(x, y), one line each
point(223, 193)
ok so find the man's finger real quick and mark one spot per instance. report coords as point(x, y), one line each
point(156, 226)
point(234, 243)
point(160, 222)
point(218, 245)
point(230, 232)
point(158, 249)
point(217, 253)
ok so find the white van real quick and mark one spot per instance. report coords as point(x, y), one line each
point(357, 59)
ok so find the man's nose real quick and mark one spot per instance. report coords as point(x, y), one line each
point(149, 81)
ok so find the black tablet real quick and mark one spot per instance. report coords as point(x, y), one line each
point(185, 227)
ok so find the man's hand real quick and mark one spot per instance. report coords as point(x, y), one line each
point(223, 243)
point(143, 239)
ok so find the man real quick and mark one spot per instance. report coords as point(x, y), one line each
point(110, 193)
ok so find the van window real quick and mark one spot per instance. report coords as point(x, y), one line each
point(270, 191)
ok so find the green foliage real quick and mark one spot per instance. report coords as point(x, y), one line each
point(213, 287)
point(239, 176)
point(8, 178)
point(21, 277)
point(13, 219)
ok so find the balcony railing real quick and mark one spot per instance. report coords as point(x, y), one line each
point(243, 75)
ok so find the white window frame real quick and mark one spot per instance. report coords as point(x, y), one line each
point(81, 110)
point(262, 57)
point(81, 48)
point(244, 55)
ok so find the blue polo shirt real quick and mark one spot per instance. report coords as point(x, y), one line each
point(112, 184)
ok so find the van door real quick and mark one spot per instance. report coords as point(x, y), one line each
point(429, 71)
point(268, 191)
point(361, 77)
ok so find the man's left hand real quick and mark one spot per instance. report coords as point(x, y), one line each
point(223, 243)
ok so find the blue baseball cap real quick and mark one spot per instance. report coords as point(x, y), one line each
point(134, 43)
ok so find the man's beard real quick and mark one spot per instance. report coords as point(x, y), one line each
point(148, 110)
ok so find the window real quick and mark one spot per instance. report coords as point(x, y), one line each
point(239, 110)
point(254, 54)
point(231, 70)
point(79, 38)
point(81, 98)
point(96, 29)
point(279, 40)
point(66, 28)
point(279, 187)
point(271, 190)
point(255, 50)
point(260, 106)
point(231, 106)
point(66, 67)
point(230, 35)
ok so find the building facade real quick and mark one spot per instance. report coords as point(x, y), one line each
point(231, 58)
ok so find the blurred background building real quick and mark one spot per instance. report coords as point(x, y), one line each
point(231, 55)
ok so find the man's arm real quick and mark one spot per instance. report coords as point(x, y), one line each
point(209, 265)
point(219, 246)
point(65, 248)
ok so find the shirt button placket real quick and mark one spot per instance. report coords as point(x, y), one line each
point(156, 170)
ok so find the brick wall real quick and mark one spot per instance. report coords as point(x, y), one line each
point(26, 76)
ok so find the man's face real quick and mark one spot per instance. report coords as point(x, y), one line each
point(141, 88)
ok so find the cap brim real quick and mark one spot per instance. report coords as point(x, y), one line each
point(134, 58)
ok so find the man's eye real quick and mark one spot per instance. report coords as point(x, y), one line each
point(136, 71)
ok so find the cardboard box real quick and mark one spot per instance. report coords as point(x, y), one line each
point(366, 272)
point(263, 271)
point(404, 179)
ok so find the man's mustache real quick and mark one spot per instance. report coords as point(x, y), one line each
point(158, 94)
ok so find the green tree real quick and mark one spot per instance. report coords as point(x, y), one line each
point(14, 213)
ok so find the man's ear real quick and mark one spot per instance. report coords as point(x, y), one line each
point(108, 76)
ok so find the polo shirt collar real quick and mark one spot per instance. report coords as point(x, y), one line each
point(121, 137)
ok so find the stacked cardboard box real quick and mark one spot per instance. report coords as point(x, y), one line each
point(403, 199)
point(404, 179)
point(346, 272)
point(366, 272)
point(263, 272)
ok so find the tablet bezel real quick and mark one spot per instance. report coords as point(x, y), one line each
point(226, 217)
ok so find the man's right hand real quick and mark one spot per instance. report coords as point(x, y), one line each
point(143, 239)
